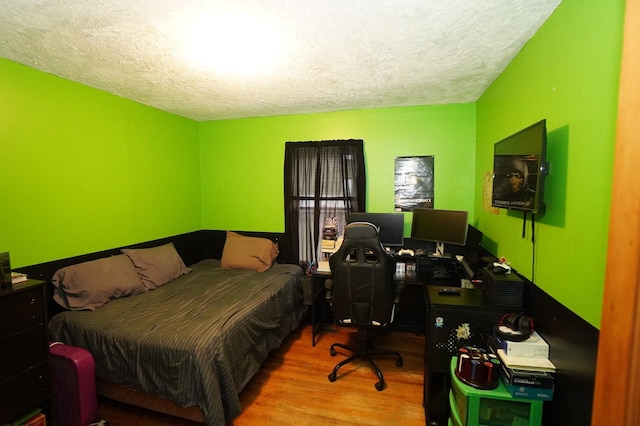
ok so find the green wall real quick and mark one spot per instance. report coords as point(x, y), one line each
point(242, 160)
point(83, 170)
point(568, 74)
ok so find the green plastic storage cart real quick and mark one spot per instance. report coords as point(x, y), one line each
point(496, 407)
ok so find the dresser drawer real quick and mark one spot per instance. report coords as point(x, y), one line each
point(22, 350)
point(20, 311)
point(24, 391)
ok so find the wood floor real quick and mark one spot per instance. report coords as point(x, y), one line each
point(292, 387)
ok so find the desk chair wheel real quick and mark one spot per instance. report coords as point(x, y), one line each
point(399, 362)
point(332, 352)
point(332, 377)
point(379, 386)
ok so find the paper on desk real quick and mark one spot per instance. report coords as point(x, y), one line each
point(323, 266)
point(525, 363)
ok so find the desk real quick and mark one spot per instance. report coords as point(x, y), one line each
point(415, 272)
point(410, 315)
point(318, 307)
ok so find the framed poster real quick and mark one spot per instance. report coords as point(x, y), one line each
point(487, 192)
point(413, 183)
point(5, 270)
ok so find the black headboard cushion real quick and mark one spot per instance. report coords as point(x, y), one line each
point(192, 247)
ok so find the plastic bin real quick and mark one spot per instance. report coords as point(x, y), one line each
point(496, 407)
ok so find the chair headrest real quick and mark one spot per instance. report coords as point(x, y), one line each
point(360, 230)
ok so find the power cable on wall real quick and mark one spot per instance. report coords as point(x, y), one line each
point(533, 247)
point(533, 241)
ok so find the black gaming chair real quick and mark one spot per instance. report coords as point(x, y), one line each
point(362, 292)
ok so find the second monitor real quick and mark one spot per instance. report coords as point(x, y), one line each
point(441, 227)
point(390, 226)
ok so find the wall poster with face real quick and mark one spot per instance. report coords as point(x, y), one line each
point(413, 182)
point(514, 181)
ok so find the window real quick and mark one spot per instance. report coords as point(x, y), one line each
point(321, 179)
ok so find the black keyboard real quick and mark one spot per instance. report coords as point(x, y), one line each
point(438, 271)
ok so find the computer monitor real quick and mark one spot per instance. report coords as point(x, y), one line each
point(390, 226)
point(472, 251)
point(441, 227)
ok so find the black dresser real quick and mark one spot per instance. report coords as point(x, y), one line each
point(24, 349)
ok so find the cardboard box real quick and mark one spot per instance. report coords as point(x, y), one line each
point(534, 347)
point(528, 379)
point(524, 392)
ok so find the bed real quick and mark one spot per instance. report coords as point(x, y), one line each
point(196, 339)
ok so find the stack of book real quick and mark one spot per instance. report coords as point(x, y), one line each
point(17, 277)
point(526, 371)
point(328, 244)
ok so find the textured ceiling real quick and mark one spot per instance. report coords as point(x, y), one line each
point(222, 59)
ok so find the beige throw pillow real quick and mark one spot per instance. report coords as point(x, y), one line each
point(92, 284)
point(242, 252)
point(157, 265)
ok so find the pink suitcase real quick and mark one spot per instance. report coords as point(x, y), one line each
point(73, 386)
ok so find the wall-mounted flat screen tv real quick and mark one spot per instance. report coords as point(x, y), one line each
point(519, 170)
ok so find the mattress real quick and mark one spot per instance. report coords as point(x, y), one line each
point(197, 340)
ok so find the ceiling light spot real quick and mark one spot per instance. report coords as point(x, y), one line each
point(233, 44)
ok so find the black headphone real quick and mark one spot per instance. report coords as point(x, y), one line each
point(521, 327)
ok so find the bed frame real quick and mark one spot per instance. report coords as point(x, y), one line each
point(192, 247)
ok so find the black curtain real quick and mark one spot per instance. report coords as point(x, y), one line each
point(321, 179)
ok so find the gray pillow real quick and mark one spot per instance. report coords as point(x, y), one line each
point(157, 265)
point(90, 285)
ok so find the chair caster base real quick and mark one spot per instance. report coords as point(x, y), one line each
point(365, 352)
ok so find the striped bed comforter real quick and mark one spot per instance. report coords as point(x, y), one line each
point(197, 340)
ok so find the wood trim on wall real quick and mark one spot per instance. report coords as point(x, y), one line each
point(617, 390)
